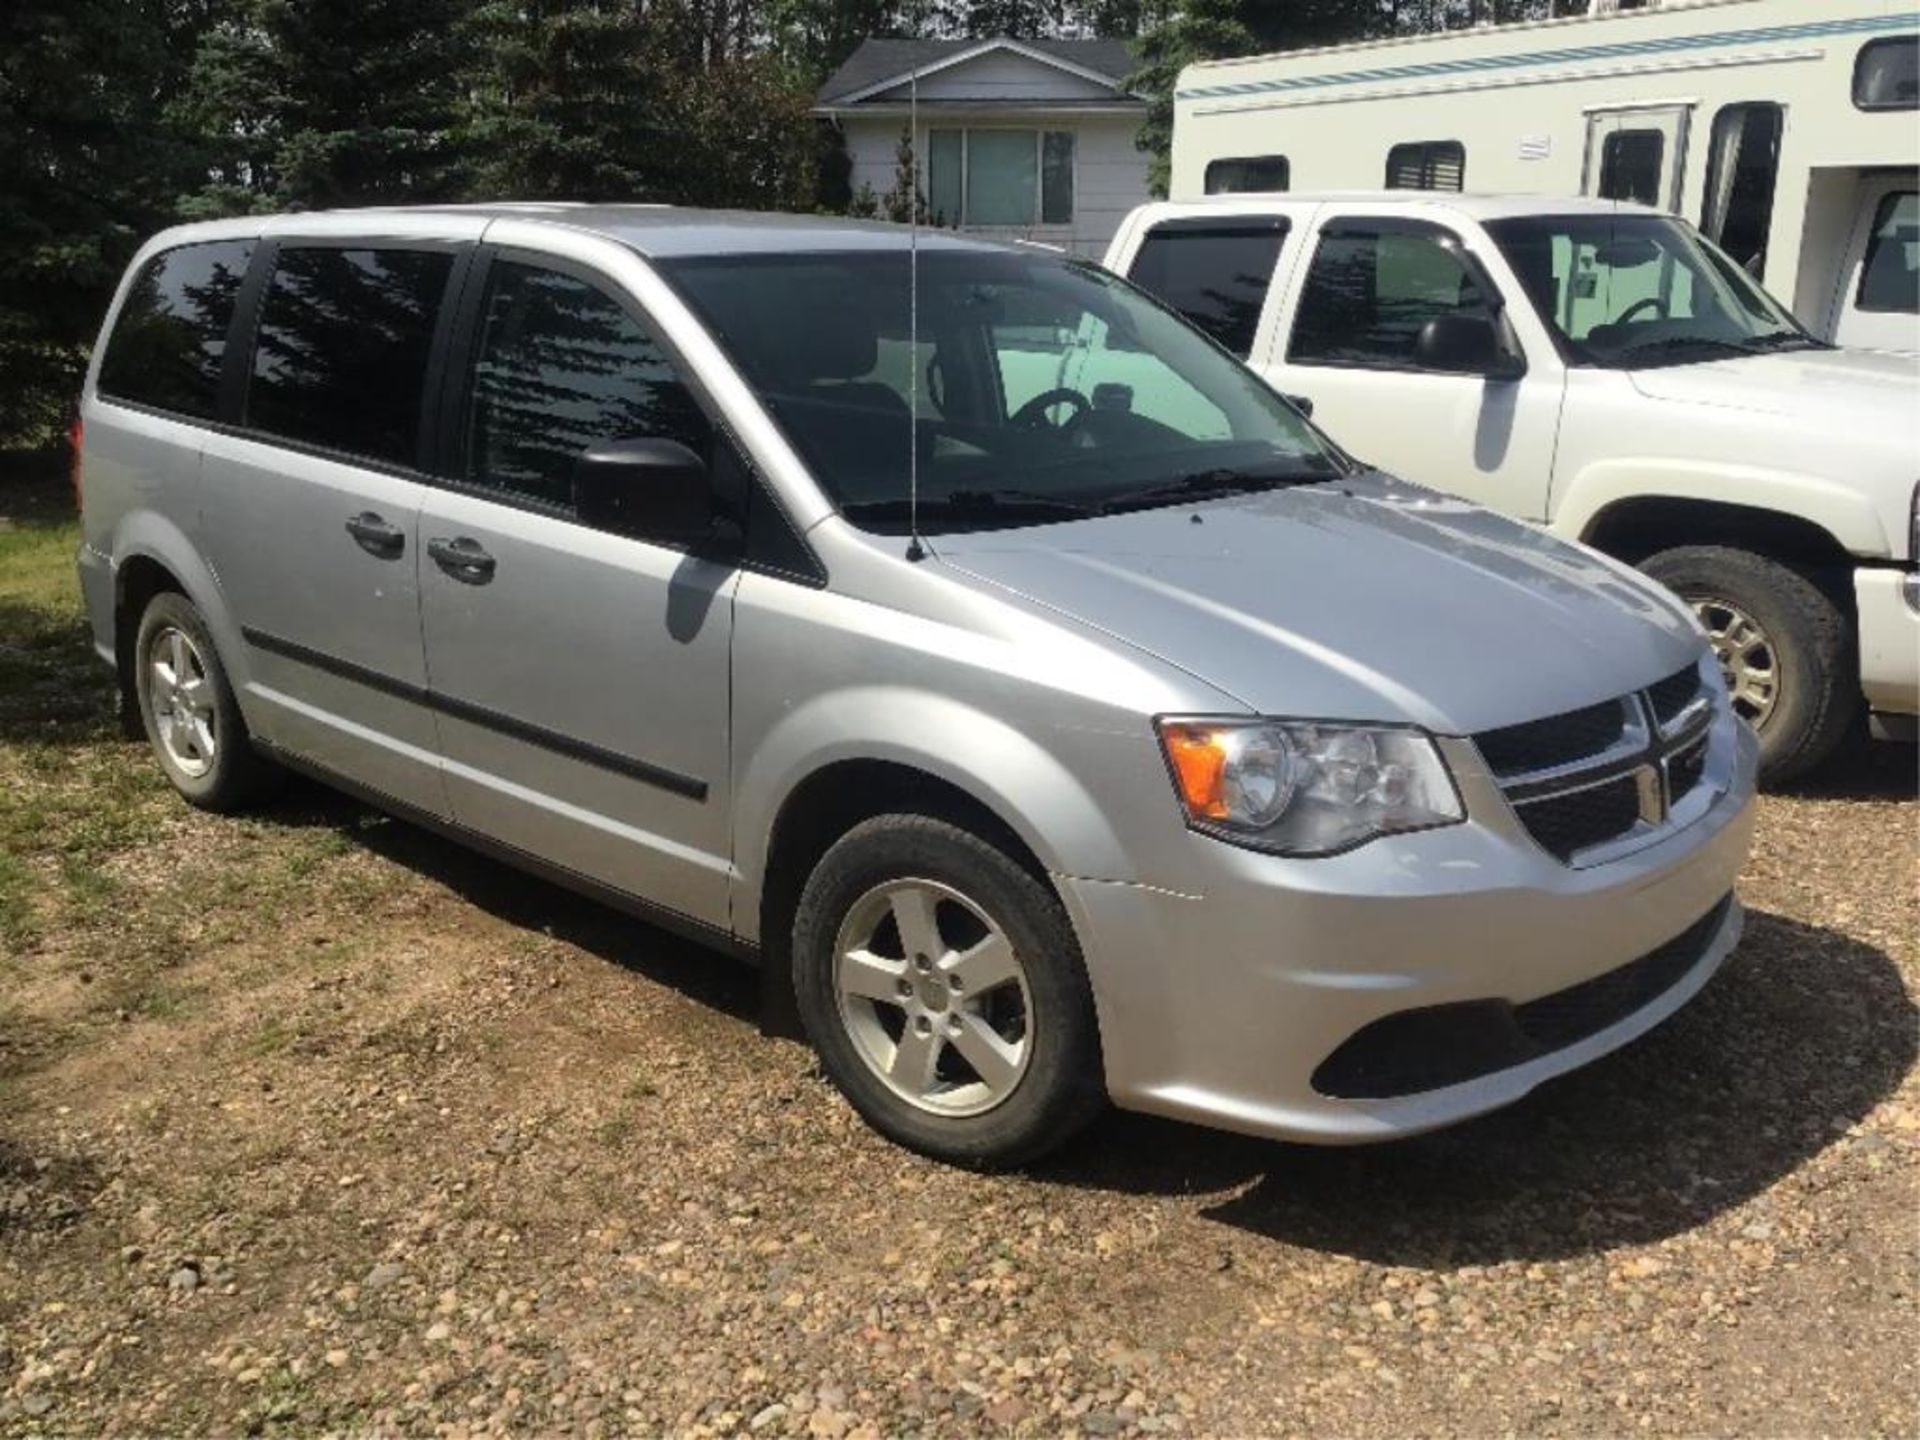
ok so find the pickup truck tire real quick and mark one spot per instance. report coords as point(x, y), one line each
point(189, 713)
point(1804, 637)
point(919, 948)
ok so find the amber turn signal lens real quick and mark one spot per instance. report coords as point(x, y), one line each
point(1199, 762)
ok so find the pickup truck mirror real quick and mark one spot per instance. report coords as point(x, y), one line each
point(654, 489)
point(1464, 345)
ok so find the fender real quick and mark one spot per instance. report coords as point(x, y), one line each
point(1841, 510)
point(149, 534)
point(1006, 770)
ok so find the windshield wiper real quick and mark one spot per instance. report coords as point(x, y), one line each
point(1012, 497)
point(1006, 504)
point(1787, 340)
point(1201, 484)
point(1670, 344)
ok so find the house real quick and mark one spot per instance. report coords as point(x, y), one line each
point(1029, 139)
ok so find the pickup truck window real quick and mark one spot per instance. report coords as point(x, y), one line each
point(1214, 272)
point(1633, 291)
point(1372, 287)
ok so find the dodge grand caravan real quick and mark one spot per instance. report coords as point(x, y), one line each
point(1044, 745)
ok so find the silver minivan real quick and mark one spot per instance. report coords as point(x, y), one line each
point(1045, 744)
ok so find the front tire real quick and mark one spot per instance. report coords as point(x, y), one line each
point(942, 987)
point(189, 713)
point(1785, 647)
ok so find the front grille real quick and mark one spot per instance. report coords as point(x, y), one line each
point(1439, 1045)
point(1556, 740)
point(1686, 770)
point(1576, 820)
point(1671, 696)
point(1589, 777)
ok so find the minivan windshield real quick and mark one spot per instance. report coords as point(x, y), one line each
point(1628, 292)
point(1036, 388)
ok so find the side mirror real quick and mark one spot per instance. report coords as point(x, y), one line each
point(1463, 345)
point(1302, 403)
point(653, 489)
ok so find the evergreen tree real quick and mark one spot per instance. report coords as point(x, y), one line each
point(906, 200)
point(87, 170)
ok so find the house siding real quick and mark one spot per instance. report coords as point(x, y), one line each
point(1109, 174)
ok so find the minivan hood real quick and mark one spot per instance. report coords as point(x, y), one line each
point(1828, 386)
point(1363, 599)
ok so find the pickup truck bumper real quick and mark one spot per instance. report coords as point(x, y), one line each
point(1887, 601)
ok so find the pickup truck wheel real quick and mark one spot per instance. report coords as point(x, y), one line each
point(942, 987)
point(189, 713)
point(1784, 646)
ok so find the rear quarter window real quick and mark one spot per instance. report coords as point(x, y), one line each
point(170, 337)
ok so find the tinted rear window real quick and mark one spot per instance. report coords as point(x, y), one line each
point(167, 344)
point(1215, 273)
point(341, 358)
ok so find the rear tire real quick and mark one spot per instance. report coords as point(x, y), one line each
point(1784, 645)
point(920, 948)
point(189, 714)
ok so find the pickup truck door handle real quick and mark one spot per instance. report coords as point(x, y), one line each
point(374, 535)
point(463, 559)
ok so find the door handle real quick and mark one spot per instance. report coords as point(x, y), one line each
point(374, 535)
point(463, 559)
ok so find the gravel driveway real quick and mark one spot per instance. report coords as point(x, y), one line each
point(310, 1122)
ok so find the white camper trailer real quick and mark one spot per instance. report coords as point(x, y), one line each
point(1786, 129)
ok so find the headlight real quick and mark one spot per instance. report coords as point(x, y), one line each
point(1300, 788)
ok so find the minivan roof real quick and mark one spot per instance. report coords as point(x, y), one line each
point(655, 231)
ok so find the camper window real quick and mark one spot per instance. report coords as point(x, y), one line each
point(1886, 74)
point(1630, 166)
point(1743, 162)
point(1427, 165)
point(1247, 173)
point(1890, 274)
point(1372, 288)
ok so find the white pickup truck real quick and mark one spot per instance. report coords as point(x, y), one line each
point(1599, 369)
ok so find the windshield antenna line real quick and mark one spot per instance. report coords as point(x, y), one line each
point(915, 550)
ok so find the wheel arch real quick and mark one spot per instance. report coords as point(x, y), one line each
point(835, 772)
point(152, 556)
point(1635, 527)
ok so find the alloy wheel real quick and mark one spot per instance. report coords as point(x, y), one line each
point(180, 699)
point(934, 997)
point(1746, 655)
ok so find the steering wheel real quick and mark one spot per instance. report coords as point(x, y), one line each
point(1649, 302)
point(1034, 412)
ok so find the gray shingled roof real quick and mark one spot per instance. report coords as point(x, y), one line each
point(879, 60)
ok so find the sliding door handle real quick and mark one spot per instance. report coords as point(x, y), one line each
point(463, 559)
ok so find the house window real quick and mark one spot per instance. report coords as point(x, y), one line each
point(1630, 166)
point(1886, 74)
point(1000, 177)
point(1247, 173)
point(1427, 165)
point(1742, 164)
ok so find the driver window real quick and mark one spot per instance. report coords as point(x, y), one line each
point(559, 365)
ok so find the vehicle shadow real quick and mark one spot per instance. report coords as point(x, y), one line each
point(1863, 769)
point(528, 902)
point(1802, 1033)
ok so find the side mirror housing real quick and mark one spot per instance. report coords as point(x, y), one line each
point(653, 489)
point(1464, 345)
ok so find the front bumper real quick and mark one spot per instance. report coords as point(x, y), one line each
point(1219, 1007)
point(1887, 601)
